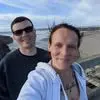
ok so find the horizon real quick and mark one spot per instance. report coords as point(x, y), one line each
point(47, 28)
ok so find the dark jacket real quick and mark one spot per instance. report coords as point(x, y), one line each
point(14, 68)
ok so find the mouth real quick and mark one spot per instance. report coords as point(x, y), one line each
point(64, 59)
point(26, 39)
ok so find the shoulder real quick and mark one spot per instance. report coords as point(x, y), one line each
point(12, 53)
point(40, 50)
point(42, 73)
point(37, 80)
point(34, 87)
point(37, 75)
point(43, 55)
point(78, 68)
point(9, 57)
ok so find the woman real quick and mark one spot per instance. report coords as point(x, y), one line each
point(62, 78)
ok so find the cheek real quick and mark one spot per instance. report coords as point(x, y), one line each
point(54, 53)
point(33, 34)
point(75, 56)
point(77, 53)
point(18, 39)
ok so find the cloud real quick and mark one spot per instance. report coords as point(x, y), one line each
point(38, 20)
point(43, 12)
point(85, 13)
point(25, 4)
point(13, 3)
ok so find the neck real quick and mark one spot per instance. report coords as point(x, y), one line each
point(66, 75)
point(67, 78)
point(28, 51)
point(62, 72)
point(67, 72)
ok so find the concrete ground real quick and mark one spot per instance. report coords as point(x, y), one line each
point(90, 44)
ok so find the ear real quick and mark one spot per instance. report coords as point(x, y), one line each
point(13, 37)
point(49, 50)
point(49, 47)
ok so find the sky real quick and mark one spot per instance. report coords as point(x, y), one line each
point(44, 13)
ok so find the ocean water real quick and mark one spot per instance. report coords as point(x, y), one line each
point(41, 39)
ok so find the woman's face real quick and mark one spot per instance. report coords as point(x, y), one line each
point(63, 48)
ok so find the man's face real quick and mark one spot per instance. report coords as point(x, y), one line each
point(24, 34)
point(63, 48)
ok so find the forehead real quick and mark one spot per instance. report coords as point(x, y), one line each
point(64, 35)
point(21, 25)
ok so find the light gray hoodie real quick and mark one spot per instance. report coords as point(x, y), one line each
point(44, 83)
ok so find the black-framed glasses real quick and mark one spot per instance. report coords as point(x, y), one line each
point(20, 32)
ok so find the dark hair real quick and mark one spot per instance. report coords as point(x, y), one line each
point(20, 19)
point(70, 27)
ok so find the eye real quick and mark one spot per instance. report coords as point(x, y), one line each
point(72, 47)
point(58, 45)
point(29, 29)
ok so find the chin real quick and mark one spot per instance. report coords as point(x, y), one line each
point(27, 46)
point(66, 66)
point(62, 69)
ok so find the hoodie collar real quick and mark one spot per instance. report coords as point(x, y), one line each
point(47, 67)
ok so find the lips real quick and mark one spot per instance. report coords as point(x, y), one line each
point(27, 39)
point(64, 59)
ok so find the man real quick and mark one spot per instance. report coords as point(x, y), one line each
point(16, 65)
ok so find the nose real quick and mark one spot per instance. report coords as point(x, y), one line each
point(65, 51)
point(23, 33)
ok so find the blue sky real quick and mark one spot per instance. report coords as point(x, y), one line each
point(44, 12)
